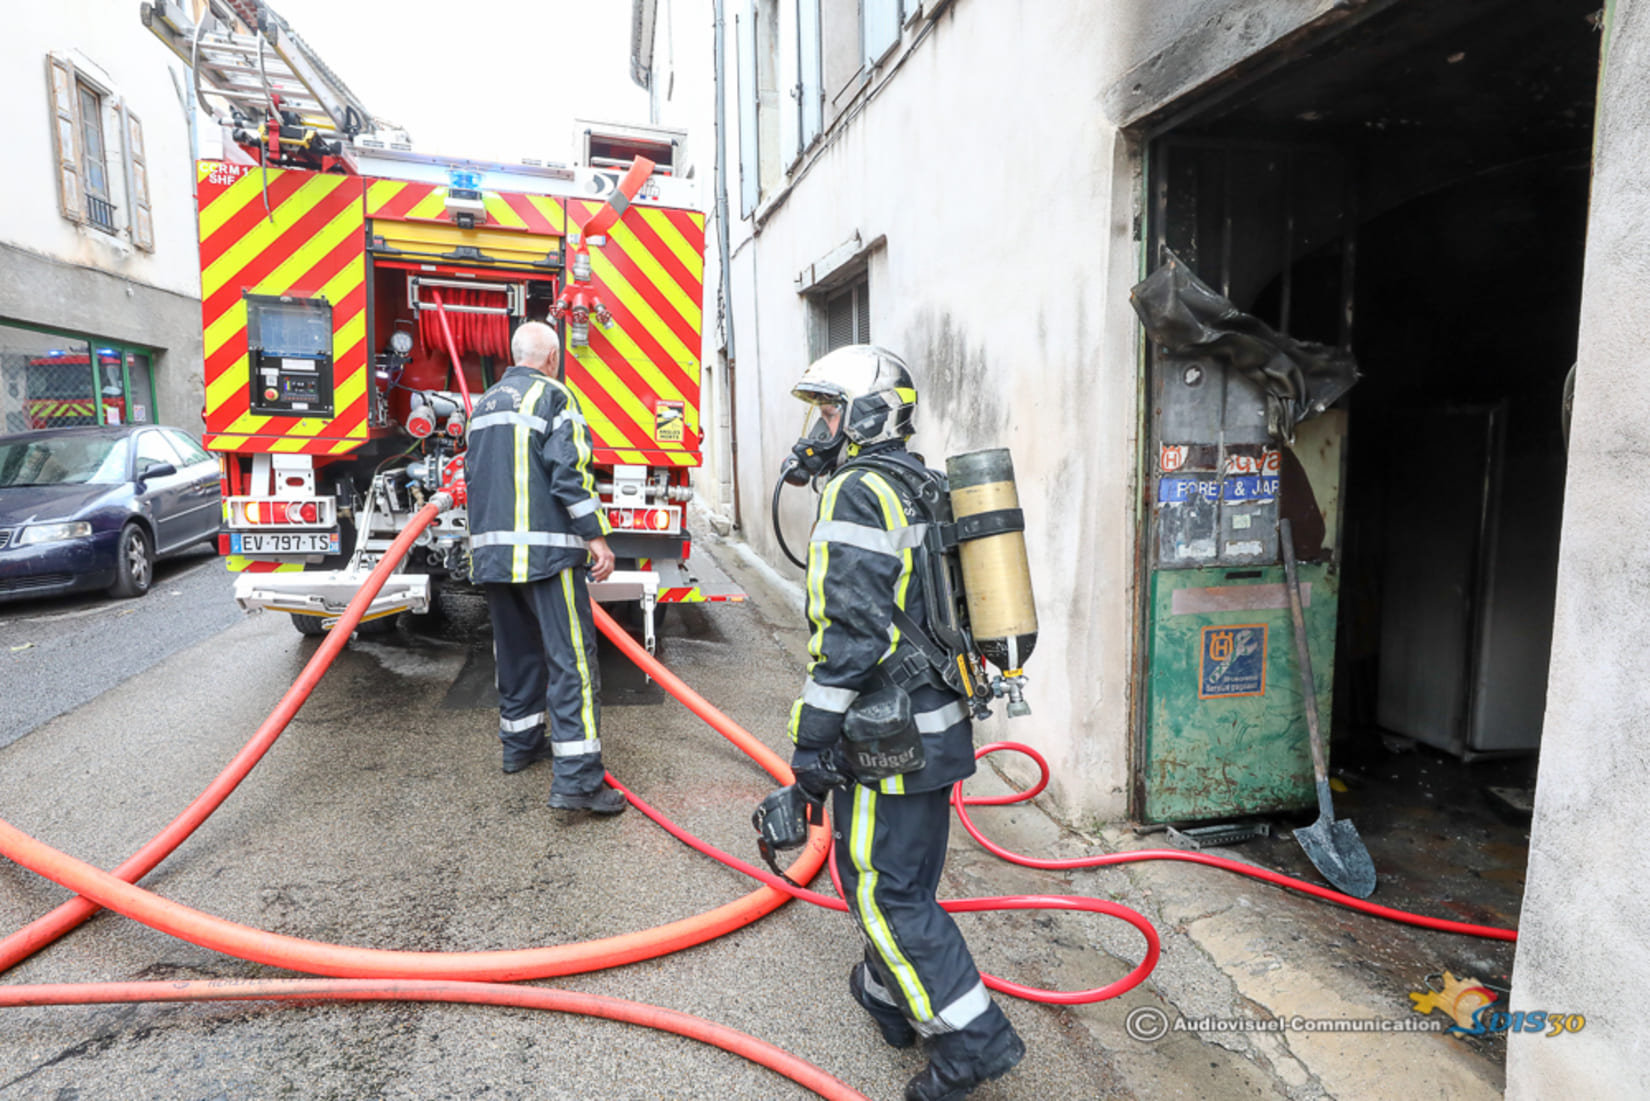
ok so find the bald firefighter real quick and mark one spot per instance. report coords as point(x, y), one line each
point(865, 604)
point(536, 524)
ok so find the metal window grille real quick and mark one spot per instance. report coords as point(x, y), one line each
point(101, 212)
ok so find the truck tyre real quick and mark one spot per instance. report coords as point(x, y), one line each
point(313, 625)
point(307, 624)
point(134, 562)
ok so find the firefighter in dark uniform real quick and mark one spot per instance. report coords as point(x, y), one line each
point(917, 978)
point(535, 522)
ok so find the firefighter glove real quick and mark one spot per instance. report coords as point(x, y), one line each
point(816, 772)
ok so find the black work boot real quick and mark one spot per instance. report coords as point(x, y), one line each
point(604, 800)
point(896, 1030)
point(515, 762)
point(997, 1058)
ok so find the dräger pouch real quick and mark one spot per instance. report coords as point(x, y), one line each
point(880, 736)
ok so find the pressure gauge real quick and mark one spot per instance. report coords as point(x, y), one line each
point(401, 342)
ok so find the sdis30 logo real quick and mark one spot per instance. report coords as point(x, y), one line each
point(1472, 1006)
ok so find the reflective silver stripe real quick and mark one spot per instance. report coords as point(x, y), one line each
point(583, 508)
point(826, 698)
point(875, 990)
point(516, 726)
point(874, 540)
point(619, 201)
point(567, 416)
point(494, 420)
point(959, 1013)
point(577, 749)
point(942, 719)
point(525, 539)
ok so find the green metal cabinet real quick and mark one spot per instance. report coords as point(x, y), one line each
point(1226, 729)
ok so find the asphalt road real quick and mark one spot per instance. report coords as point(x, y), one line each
point(58, 653)
point(381, 819)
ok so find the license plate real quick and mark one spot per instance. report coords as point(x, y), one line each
point(308, 542)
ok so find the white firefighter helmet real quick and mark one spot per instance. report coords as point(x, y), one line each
point(872, 387)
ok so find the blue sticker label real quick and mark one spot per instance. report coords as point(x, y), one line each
point(1233, 662)
point(1253, 488)
point(1178, 490)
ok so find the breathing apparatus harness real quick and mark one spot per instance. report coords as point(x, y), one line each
point(879, 734)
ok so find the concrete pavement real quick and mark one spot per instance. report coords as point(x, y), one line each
point(381, 819)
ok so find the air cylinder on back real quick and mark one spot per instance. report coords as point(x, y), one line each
point(991, 545)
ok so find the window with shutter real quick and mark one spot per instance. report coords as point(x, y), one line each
point(137, 183)
point(882, 27)
point(848, 315)
point(750, 169)
point(60, 76)
point(810, 76)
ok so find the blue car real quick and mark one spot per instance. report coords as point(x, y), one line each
point(92, 508)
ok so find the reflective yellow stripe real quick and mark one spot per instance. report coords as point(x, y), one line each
point(581, 446)
point(518, 554)
point(587, 705)
point(893, 514)
point(819, 560)
point(871, 919)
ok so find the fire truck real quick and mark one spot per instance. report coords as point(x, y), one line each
point(356, 292)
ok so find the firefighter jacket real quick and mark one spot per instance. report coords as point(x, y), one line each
point(863, 561)
point(533, 500)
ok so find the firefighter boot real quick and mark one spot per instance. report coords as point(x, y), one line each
point(604, 800)
point(953, 1071)
point(896, 1030)
point(516, 761)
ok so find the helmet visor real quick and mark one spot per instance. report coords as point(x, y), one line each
point(815, 425)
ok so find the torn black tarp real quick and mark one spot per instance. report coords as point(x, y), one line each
point(1191, 321)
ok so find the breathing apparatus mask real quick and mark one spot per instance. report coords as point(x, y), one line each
point(816, 451)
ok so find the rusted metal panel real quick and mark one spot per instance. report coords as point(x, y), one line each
point(1226, 730)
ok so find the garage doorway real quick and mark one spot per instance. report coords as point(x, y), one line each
point(1415, 189)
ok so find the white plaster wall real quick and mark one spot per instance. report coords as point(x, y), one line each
point(1582, 946)
point(108, 40)
point(1007, 198)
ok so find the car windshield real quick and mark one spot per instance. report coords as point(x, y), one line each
point(63, 460)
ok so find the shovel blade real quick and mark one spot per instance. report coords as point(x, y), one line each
point(1337, 851)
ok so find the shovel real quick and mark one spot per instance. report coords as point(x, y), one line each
point(1334, 848)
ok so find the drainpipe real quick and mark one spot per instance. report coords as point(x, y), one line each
point(728, 461)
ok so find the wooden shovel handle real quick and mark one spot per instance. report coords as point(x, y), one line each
point(1320, 767)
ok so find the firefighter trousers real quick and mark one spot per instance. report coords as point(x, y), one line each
point(544, 646)
point(890, 851)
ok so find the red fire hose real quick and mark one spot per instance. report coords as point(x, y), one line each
point(798, 1070)
point(397, 972)
point(452, 352)
point(45, 930)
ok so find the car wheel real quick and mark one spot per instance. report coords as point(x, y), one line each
point(134, 562)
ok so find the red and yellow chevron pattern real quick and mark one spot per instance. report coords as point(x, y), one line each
point(637, 378)
point(43, 410)
point(311, 243)
point(681, 595)
point(401, 201)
